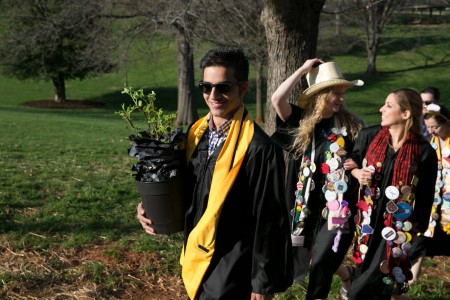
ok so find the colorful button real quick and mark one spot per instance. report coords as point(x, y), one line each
point(333, 205)
point(408, 237)
point(403, 212)
point(334, 147)
point(406, 246)
point(392, 192)
point(407, 226)
point(391, 207)
point(330, 195)
point(401, 238)
point(396, 252)
point(363, 248)
point(306, 172)
point(437, 200)
point(388, 233)
point(397, 271)
point(340, 141)
point(406, 189)
point(384, 267)
point(340, 186)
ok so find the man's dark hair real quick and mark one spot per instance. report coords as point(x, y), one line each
point(228, 58)
point(433, 91)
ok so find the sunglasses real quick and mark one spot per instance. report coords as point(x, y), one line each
point(426, 103)
point(221, 87)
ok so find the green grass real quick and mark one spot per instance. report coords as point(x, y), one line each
point(65, 179)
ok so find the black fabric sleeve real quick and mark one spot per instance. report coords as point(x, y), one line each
point(271, 263)
point(362, 144)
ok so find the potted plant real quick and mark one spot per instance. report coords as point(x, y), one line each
point(159, 149)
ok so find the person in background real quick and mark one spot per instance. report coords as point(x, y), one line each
point(437, 121)
point(318, 133)
point(397, 171)
point(237, 242)
point(429, 95)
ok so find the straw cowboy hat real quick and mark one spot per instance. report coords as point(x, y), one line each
point(324, 76)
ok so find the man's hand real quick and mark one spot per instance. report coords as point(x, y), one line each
point(144, 221)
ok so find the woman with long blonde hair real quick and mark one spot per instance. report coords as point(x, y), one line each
point(318, 133)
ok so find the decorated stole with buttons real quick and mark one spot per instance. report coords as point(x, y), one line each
point(440, 212)
point(398, 212)
point(334, 185)
point(199, 249)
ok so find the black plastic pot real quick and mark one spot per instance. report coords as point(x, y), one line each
point(163, 204)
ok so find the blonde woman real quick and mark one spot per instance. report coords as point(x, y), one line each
point(318, 133)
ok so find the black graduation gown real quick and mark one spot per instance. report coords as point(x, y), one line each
point(318, 239)
point(253, 244)
point(369, 284)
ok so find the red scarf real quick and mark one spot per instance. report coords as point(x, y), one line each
point(408, 154)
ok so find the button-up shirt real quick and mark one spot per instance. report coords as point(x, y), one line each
point(217, 135)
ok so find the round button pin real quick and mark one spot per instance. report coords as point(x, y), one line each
point(407, 226)
point(400, 278)
point(384, 267)
point(333, 163)
point(330, 195)
point(388, 233)
point(392, 192)
point(363, 248)
point(406, 246)
point(340, 141)
point(325, 213)
point(333, 205)
point(403, 212)
point(401, 238)
point(306, 172)
point(437, 200)
point(396, 252)
point(334, 147)
point(340, 186)
point(408, 237)
point(406, 189)
point(388, 281)
point(397, 271)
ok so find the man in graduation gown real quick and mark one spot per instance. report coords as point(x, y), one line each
point(237, 239)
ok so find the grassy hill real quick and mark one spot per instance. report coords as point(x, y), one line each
point(67, 199)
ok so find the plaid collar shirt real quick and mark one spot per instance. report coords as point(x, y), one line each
point(217, 135)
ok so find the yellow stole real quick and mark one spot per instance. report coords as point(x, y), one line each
point(197, 254)
point(437, 142)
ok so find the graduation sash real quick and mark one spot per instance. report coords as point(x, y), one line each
point(199, 249)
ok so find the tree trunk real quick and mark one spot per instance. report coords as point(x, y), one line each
point(259, 86)
point(292, 29)
point(337, 19)
point(187, 106)
point(371, 40)
point(59, 87)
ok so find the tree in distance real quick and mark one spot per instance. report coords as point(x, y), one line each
point(54, 41)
